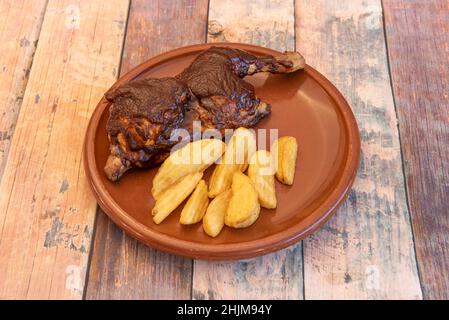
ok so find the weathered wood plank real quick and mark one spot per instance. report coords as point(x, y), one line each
point(366, 250)
point(46, 208)
point(121, 267)
point(265, 23)
point(20, 25)
point(278, 275)
point(418, 41)
point(159, 26)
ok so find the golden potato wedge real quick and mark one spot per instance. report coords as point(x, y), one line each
point(241, 147)
point(172, 197)
point(249, 221)
point(244, 208)
point(221, 179)
point(213, 220)
point(196, 206)
point(261, 172)
point(193, 157)
point(285, 151)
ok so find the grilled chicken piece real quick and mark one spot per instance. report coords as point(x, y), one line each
point(141, 118)
point(223, 98)
point(144, 113)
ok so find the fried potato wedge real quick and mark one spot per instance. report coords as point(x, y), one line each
point(285, 151)
point(241, 147)
point(196, 206)
point(261, 172)
point(221, 179)
point(244, 208)
point(213, 220)
point(194, 157)
point(172, 197)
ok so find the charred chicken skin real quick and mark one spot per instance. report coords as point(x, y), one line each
point(144, 113)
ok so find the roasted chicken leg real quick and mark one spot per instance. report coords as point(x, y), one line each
point(144, 113)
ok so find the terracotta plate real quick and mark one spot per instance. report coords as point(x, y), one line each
point(304, 104)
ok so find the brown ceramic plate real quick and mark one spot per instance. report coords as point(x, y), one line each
point(304, 105)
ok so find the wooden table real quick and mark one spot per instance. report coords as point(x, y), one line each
point(390, 240)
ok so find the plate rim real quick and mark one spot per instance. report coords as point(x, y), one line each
point(227, 251)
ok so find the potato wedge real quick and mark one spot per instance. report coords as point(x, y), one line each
point(275, 151)
point(196, 206)
point(221, 179)
point(285, 151)
point(241, 147)
point(213, 220)
point(193, 157)
point(261, 172)
point(244, 208)
point(249, 221)
point(172, 197)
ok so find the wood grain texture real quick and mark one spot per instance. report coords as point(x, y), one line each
point(278, 275)
point(19, 30)
point(123, 268)
point(267, 23)
point(366, 250)
point(158, 26)
point(46, 208)
point(418, 42)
